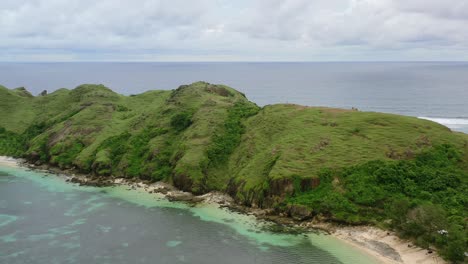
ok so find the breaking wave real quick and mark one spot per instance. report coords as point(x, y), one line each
point(460, 124)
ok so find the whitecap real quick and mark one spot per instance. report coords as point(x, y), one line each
point(452, 123)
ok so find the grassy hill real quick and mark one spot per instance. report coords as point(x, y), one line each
point(334, 164)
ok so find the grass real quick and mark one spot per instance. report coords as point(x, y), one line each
point(204, 137)
point(308, 139)
point(213, 131)
point(417, 198)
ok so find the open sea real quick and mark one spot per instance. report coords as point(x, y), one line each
point(434, 90)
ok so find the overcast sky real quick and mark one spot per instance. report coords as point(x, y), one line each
point(237, 30)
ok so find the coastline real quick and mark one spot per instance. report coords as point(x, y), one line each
point(386, 245)
point(383, 245)
point(9, 162)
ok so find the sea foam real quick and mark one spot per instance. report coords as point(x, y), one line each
point(453, 123)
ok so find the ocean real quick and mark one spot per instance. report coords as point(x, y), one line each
point(44, 219)
point(432, 90)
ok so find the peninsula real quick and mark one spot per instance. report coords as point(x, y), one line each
point(330, 165)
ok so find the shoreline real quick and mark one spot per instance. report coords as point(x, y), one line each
point(383, 245)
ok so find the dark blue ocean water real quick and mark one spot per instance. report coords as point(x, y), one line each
point(437, 90)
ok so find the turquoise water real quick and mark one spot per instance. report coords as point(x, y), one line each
point(43, 219)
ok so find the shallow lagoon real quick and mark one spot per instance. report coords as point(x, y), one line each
point(44, 219)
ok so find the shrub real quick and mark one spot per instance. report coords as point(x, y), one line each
point(63, 154)
point(181, 121)
point(420, 197)
point(226, 141)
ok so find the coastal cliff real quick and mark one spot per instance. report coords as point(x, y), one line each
point(343, 166)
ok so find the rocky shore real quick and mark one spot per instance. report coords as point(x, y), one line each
point(169, 191)
point(384, 245)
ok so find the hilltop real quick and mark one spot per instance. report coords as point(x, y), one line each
point(338, 165)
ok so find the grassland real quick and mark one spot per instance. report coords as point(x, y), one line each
point(339, 165)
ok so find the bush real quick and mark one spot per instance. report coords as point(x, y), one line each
point(420, 197)
point(115, 148)
point(456, 244)
point(227, 140)
point(181, 121)
point(63, 154)
point(132, 154)
point(11, 144)
point(16, 145)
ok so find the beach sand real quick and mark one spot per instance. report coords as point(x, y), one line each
point(386, 246)
point(8, 162)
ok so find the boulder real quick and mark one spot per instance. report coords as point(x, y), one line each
point(299, 212)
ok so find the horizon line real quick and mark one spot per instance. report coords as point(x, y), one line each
point(248, 61)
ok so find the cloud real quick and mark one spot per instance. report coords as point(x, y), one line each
point(89, 23)
point(240, 30)
point(454, 9)
point(375, 23)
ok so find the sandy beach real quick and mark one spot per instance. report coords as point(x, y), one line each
point(9, 162)
point(386, 246)
point(383, 245)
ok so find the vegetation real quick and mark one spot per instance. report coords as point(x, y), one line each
point(65, 153)
point(11, 144)
point(181, 121)
point(423, 199)
point(14, 144)
point(347, 166)
point(226, 141)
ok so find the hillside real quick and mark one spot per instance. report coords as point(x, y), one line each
point(337, 165)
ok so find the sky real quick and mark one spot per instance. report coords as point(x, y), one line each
point(237, 30)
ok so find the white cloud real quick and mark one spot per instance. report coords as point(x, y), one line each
point(241, 30)
point(373, 23)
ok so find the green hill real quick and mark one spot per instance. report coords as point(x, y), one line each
point(338, 165)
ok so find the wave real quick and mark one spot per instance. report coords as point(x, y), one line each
point(449, 122)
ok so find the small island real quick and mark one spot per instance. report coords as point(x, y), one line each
point(312, 165)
